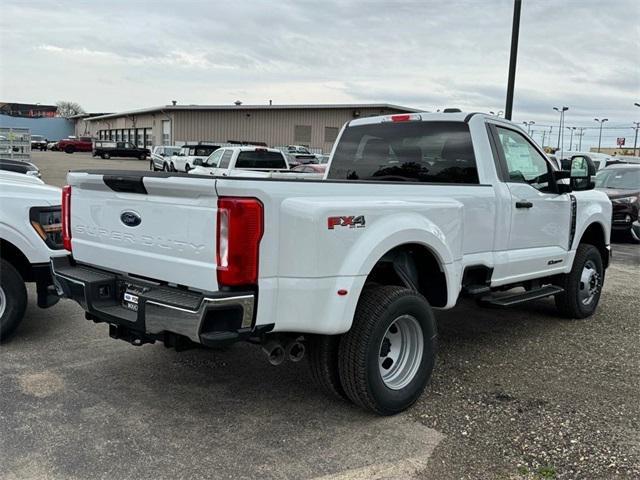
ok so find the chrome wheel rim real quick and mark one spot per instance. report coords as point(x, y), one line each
point(400, 352)
point(590, 283)
point(3, 302)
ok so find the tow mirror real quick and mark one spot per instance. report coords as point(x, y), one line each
point(582, 169)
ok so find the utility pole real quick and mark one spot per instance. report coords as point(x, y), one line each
point(600, 136)
point(571, 139)
point(515, 33)
point(579, 135)
point(544, 132)
point(635, 140)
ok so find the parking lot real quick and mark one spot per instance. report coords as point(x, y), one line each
point(517, 393)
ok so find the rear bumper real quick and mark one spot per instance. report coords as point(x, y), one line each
point(164, 313)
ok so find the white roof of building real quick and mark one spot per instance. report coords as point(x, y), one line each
point(170, 108)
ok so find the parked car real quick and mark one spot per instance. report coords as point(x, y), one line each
point(160, 157)
point(621, 183)
point(53, 146)
point(38, 142)
point(299, 155)
point(191, 155)
point(239, 161)
point(19, 166)
point(71, 145)
point(107, 149)
point(30, 234)
point(347, 270)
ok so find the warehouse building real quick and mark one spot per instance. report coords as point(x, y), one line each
point(315, 126)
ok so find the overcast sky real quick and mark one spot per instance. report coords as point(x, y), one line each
point(119, 55)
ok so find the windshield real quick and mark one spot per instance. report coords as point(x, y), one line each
point(203, 151)
point(439, 152)
point(37, 138)
point(260, 159)
point(619, 179)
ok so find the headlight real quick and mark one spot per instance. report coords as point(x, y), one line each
point(625, 200)
point(47, 222)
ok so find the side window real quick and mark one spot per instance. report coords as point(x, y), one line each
point(226, 158)
point(214, 158)
point(524, 163)
point(120, 145)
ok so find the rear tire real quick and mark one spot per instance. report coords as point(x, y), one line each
point(143, 156)
point(105, 156)
point(13, 299)
point(323, 364)
point(385, 361)
point(582, 285)
point(69, 149)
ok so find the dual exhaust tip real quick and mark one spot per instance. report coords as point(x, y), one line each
point(277, 352)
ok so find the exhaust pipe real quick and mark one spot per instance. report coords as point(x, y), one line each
point(275, 352)
point(295, 350)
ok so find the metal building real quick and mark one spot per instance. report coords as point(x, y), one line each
point(315, 126)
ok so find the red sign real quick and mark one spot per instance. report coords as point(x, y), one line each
point(620, 141)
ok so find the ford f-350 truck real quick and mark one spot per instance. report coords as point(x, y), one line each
point(415, 211)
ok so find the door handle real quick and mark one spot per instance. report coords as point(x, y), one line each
point(524, 204)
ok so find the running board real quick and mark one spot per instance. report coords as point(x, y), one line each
point(517, 298)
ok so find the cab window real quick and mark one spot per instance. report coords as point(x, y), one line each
point(226, 158)
point(213, 159)
point(524, 163)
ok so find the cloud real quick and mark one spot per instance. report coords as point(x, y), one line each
point(426, 54)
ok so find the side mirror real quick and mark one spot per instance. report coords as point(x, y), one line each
point(197, 162)
point(582, 169)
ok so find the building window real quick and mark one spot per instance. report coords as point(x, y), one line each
point(148, 137)
point(330, 134)
point(302, 134)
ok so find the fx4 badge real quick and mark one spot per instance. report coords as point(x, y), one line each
point(347, 221)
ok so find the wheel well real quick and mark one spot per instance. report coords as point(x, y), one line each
point(13, 255)
point(413, 266)
point(594, 235)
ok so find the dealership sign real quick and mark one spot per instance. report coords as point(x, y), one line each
point(620, 141)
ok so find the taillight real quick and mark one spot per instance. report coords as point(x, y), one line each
point(403, 117)
point(240, 229)
point(66, 217)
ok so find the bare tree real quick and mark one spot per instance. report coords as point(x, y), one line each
point(69, 109)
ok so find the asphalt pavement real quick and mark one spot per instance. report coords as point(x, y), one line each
point(517, 394)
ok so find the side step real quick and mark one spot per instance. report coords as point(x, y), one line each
point(517, 298)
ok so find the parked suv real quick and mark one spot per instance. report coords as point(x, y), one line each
point(161, 156)
point(38, 142)
point(107, 149)
point(621, 183)
point(186, 158)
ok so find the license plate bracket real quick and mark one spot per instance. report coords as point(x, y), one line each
point(131, 296)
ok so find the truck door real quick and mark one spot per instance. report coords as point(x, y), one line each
point(540, 218)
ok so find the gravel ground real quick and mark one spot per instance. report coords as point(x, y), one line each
point(523, 394)
point(517, 394)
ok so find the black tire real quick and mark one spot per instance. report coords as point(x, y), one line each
point(143, 156)
point(569, 302)
point(361, 349)
point(105, 156)
point(13, 297)
point(165, 167)
point(172, 168)
point(323, 363)
point(187, 167)
point(69, 149)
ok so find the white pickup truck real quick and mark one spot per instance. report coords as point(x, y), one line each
point(415, 212)
point(30, 234)
point(242, 161)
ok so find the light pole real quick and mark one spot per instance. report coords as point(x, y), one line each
point(582, 129)
point(600, 136)
point(635, 140)
point(528, 124)
point(561, 110)
point(571, 138)
point(544, 133)
point(515, 33)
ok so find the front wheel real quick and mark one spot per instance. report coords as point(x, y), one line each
point(143, 156)
point(187, 167)
point(13, 298)
point(582, 285)
point(387, 358)
point(105, 156)
point(69, 149)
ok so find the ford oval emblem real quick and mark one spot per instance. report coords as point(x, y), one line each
point(130, 219)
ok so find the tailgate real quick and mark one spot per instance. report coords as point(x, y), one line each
point(159, 227)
